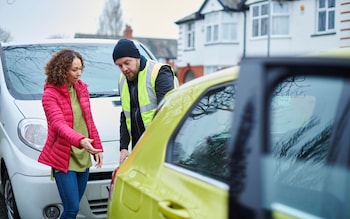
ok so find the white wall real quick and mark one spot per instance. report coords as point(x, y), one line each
point(343, 27)
point(302, 37)
point(220, 54)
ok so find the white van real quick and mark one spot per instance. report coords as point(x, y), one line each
point(28, 190)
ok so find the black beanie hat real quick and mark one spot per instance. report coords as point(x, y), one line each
point(125, 48)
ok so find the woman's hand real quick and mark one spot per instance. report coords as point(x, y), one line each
point(86, 144)
point(99, 159)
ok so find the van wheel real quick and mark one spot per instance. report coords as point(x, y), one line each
point(10, 201)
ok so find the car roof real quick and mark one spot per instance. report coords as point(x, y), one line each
point(202, 83)
point(217, 77)
point(332, 53)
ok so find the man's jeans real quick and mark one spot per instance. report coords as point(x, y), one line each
point(71, 186)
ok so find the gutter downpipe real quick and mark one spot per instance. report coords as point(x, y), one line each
point(244, 32)
point(269, 30)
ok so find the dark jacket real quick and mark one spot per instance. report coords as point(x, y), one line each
point(164, 83)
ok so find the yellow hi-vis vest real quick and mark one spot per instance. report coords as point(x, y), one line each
point(146, 93)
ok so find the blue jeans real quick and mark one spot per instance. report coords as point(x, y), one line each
point(71, 186)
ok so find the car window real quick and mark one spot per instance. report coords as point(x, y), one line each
point(24, 68)
point(296, 175)
point(200, 144)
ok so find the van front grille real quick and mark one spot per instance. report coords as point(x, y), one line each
point(99, 207)
point(100, 176)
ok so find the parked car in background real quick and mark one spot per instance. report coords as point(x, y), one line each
point(27, 188)
point(270, 143)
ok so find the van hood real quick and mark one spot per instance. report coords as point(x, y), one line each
point(105, 112)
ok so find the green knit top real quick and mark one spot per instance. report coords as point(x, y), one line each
point(80, 159)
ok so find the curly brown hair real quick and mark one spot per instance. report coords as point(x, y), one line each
point(59, 65)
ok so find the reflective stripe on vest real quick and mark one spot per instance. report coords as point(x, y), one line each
point(146, 93)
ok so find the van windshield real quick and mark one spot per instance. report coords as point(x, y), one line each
point(24, 68)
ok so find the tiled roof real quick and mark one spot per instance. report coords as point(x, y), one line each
point(191, 17)
point(161, 48)
point(229, 5)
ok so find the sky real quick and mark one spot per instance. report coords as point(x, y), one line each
point(40, 19)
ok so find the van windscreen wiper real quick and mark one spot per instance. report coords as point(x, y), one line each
point(97, 95)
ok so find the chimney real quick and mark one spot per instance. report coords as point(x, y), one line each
point(128, 32)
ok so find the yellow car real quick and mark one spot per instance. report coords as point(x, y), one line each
point(178, 169)
point(273, 143)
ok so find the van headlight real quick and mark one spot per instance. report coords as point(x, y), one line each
point(33, 132)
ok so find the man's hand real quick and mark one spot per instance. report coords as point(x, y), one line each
point(123, 155)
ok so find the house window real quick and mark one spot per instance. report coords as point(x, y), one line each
point(280, 18)
point(212, 27)
point(210, 69)
point(220, 26)
point(325, 15)
point(190, 36)
point(279, 23)
point(228, 27)
point(260, 19)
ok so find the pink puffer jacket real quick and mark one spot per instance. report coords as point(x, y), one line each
point(58, 110)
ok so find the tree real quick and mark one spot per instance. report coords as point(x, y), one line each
point(111, 22)
point(4, 35)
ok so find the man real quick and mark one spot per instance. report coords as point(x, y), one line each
point(142, 85)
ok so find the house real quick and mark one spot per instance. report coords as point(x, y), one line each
point(165, 50)
point(209, 39)
point(224, 31)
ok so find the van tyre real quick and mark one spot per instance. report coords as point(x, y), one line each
point(11, 207)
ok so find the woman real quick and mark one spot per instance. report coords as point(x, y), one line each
point(72, 134)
